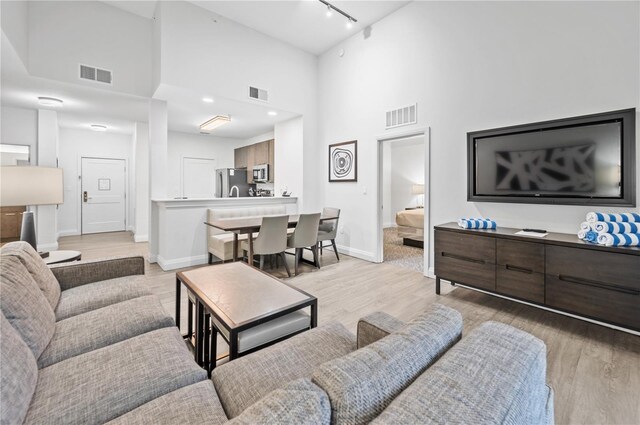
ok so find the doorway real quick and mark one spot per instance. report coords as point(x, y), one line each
point(103, 192)
point(403, 193)
point(198, 177)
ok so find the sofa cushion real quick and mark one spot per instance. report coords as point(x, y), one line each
point(93, 296)
point(18, 374)
point(246, 380)
point(361, 384)
point(105, 326)
point(193, 404)
point(25, 306)
point(299, 402)
point(41, 274)
point(496, 375)
point(101, 385)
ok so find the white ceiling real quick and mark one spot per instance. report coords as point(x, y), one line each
point(300, 23)
point(187, 111)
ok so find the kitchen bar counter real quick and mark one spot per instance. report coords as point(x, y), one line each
point(178, 237)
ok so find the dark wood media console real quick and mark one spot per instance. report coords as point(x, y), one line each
point(558, 271)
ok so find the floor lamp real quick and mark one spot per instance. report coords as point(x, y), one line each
point(30, 186)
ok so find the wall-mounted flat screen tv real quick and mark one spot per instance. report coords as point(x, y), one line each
point(587, 160)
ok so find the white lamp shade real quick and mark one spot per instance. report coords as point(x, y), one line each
point(417, 189)
point(30, 186)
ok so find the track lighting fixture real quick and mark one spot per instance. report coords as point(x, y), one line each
point(330, 8)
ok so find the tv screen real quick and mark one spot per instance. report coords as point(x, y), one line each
point(584, 160)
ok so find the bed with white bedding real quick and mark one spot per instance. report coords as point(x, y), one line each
point(411, 226)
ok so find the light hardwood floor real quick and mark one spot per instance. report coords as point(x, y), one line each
point(595, 371)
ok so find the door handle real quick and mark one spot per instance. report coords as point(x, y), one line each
point(84, 196)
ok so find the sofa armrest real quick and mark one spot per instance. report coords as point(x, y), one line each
point(376, 326)
point(79, 273)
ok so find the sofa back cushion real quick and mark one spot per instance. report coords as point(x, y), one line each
point(25, 306)
point(299, 402)
point(361, 384)
point(32, 261)
point(18, 375)
point(222, 213)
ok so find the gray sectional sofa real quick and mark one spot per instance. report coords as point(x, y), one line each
point(85, 343)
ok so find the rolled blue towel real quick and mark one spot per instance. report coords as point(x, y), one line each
point(613, 227)
point(477, 223)
point(588, 236)
point(593, 217)
point(619, 239)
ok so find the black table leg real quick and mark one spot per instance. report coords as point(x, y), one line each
point(235, 246)
point(214, 349)
point(437, 286)
point(199, 326)
point(233, 345)
point(206, 343)
point(314, 314)
point(178, 283)
point(190, 307)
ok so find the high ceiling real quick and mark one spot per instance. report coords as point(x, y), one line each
point(302, 24)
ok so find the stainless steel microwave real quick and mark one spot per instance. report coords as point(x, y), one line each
point(261, 173)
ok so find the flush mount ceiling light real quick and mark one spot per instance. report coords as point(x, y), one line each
point(207, 100)
point(49, 101)
point(98, 127)
point(330, 8)
point(215, 122)
point(272, 113)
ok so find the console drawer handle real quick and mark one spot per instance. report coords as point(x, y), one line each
point(595, 283)
point(463, 258)
point(518, 269)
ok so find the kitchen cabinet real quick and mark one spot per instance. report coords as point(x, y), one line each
point(256, 154)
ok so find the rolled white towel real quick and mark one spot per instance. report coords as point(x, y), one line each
point(582, 233)
point(612, 227)
point(593, 217)
point(585, 226)
point(619, 239)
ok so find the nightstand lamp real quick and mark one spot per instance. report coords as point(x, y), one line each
point(30, 186)
point(418, 189)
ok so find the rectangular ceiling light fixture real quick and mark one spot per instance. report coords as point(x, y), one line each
point(215, 122)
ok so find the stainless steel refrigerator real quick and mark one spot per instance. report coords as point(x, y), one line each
point(228, 178)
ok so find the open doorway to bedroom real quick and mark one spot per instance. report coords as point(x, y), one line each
point(404, 212)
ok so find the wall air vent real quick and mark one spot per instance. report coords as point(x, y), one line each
point(402, 116)
point(92, 73)
point(258, 94)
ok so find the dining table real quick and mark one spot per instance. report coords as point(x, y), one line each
point(249, 226)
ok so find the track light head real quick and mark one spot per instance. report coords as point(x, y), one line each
point(329, 12)
point(349, 24)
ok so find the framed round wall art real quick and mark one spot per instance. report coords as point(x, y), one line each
point(343, 162)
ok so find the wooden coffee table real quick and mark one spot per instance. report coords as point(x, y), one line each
point(245, 305)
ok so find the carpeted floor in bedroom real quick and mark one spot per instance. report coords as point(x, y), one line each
point(401, 255)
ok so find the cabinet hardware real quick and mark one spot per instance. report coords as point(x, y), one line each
point(518, 269)
point(9, 214)
point(462, 258)
point(595, 283)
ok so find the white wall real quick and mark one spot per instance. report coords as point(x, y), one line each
point(141, 182)
point(75, 144)
point(182, 145)
point(63, 34)
point(473, 66)
point(14, 22)
point(404, 167)
point(289, 152)
point(19, 126)
point(242, 57)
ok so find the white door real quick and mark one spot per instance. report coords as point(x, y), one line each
point(198, 177)
point(103, 195)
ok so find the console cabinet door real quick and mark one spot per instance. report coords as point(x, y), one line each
point(596, 284)
point(520, 270)
point(465, 258)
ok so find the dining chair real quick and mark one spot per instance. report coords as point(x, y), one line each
point(328, 229)
point(304, 236)
point(271, 240)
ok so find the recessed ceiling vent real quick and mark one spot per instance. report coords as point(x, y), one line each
point(95, 74)
point(258, 94)
point(402, 116)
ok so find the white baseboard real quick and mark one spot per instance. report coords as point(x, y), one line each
point(46, 247)
point(153, 258)
point(140, 238)
point(68, 233)
point(353, 252)
point(178, 263)
point(430, 273)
